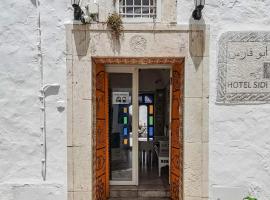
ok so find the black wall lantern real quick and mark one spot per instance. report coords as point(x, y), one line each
point(197, 13)
point(77, 9)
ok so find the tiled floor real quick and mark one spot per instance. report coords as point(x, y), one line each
point(151, 187)
point(149, 178)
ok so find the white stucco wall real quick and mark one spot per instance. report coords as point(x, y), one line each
point(20, 79)
point(239, 150)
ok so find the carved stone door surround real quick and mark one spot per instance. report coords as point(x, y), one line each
point(143, 44)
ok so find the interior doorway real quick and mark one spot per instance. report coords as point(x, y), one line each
point(154, 132)
point(139, 119)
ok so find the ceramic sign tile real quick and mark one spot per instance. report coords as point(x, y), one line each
point(244, 68)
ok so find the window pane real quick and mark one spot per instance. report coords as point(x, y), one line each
point(151, 121)
point(121, 9)
point(137, 10)
point(120, 126)
point(130, 10)
point(143, 123)
point(151, 109)
point(129, 2)
point(145, 10)
point(148, 99)
point(151, 132)
point(152, 10)
point(137, 2)
point(122, 2)
point(145, 2)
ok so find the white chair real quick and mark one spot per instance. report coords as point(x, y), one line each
point(163, 155)
point(146, 149)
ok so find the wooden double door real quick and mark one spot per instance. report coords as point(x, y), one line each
point(101, 165)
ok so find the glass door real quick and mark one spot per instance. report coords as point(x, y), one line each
point(123, 125)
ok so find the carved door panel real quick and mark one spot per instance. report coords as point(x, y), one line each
point(101, 151)
point(176, 169)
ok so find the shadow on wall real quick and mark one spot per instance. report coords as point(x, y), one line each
point(197, 40)
point(34, 2)
point(82, 41)
point(85, 41)
point(115, 43)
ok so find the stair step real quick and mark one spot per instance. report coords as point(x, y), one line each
point(141, 192)
point(140, 198)
point(124, 193)
point(153, 193)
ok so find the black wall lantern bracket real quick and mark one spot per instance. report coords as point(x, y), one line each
point(78, 12)
point(84, 15)
point(197, 13)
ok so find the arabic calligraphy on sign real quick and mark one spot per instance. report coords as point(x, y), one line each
point(248, 67)
point(249, 52)
point(244, 68)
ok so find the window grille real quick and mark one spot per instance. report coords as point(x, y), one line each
point(138, 8)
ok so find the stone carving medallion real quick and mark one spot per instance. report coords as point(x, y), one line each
point(138, 43)
point(244, 68)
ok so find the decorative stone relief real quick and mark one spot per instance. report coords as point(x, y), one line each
point(244, 68)
point(138, 43)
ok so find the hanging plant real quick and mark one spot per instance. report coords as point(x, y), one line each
point(250, 198)
point(115, 23)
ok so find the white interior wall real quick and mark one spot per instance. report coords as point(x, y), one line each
point(153, 79)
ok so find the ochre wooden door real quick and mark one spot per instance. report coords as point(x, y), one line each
point(102, 138)
point(176, 169)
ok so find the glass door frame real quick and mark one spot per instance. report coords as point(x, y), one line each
point(134, 70)
point(135, 105)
